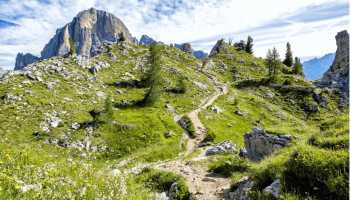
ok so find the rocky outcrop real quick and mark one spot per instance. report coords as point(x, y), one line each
point(338, 74)
point(274, 189)
point(259, 144)
point(146, 40)
point(220, 46)
point(241, 189)
point(88, 30)
point(187, 47)
point(84, 35)
point(23, 60)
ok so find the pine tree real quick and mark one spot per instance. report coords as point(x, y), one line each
point(240, 45)
point(153, 79)
point(273, 62)
point(289, 56)
point(249, 45)
point(298, 67)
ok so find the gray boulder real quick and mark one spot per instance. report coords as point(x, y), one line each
point(242, 189)
point(23, 60)
point(273, 189)
point(258, 144)
point(223, 147)
point(174, 192)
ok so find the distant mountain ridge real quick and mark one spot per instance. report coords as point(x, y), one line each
point(316, 67)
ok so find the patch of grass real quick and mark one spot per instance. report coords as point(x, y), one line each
point(228, 165)
point(161, 181)
point(320, 173)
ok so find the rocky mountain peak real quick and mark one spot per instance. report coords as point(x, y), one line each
point(338, 74)
point(85, 33)
point(23, 60)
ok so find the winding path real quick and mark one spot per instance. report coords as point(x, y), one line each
point(203, 185)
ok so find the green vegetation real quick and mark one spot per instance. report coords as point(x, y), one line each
point(63, 136)
point(320, 173)
point(186, 123)
point(249, 45)
point(162, 181)
point(273, 63)
point(288, 60)
point(298, 67)
point(228, 165)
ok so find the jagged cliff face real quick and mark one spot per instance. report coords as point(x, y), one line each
point(23, 60)
point(88, 30)
point(338, 74)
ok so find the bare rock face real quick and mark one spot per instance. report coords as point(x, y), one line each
point(338, 74)
point(88, 30)
point(23, 60)
point(220, 46)
point(258, 144)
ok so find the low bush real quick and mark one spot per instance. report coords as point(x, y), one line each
point(161, 181)
point(227, 165)
point(308, 172)
point(186, 123)
point(335, 143)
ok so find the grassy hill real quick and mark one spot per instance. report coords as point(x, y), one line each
point(73, 132)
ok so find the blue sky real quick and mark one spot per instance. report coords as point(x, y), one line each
point(310, 25)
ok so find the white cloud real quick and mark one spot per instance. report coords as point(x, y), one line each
point(191, 20)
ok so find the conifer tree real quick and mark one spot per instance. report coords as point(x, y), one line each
point(298, 67)
point(249, 45)
point(289, 56)
point(240, 45)
point(273, 62)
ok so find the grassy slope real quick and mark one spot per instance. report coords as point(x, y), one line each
point(282, 114)
point(23, 154)
point(73, 98)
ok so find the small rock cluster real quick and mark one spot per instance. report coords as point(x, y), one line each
point(51, 120)
point(223, 147)
point(99, 66)
point(243, 187)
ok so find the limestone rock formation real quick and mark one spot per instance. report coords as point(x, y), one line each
point(84, 35)
point(23, 60)
point(259, 144)
point(338, 74)
point(88, 30)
